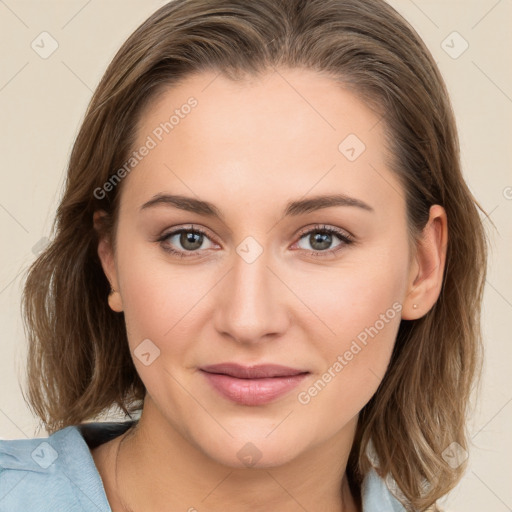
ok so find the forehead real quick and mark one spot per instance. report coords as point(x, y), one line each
point(281, 135)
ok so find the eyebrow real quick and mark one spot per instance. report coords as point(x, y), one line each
point(293, 208)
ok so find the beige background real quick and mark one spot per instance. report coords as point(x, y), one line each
point(42, 102)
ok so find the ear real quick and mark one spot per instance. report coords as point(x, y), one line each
point(428, 263)
point(107, 259)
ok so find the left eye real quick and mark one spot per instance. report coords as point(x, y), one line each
point(321, 239)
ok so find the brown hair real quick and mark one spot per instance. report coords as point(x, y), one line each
point(79, 362)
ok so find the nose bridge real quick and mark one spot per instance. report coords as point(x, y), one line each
point(250, 305)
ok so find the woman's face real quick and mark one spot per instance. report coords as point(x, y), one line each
point(279, 277)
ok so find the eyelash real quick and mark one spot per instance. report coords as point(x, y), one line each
point(345, 238)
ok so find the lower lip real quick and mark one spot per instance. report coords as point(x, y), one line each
point(253, 391)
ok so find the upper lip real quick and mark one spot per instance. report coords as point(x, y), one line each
point(259, 371)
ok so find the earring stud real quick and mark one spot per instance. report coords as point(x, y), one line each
point(415, 306)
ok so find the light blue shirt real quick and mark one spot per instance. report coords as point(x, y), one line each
point(58, 474)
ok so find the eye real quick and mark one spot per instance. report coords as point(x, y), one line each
point(321, 239)
point(186, 239)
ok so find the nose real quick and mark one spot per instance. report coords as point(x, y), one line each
point(251, 302)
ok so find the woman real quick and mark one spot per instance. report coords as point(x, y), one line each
point(267, 257)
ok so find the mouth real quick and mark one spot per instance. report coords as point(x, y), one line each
point(252, 385)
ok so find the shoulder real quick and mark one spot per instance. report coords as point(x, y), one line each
point(376, 495)
point(381, 495)
point(49, 474)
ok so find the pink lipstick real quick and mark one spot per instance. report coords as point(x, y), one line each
point(252, 385)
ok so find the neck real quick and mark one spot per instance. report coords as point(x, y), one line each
point(159, 469)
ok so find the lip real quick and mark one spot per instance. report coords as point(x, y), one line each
point(252, 385)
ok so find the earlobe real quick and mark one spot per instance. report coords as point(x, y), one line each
point(114, 301)
point(427, 271)
point(106, 256)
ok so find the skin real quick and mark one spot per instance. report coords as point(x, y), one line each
point(250, 147)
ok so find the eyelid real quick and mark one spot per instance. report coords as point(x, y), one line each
point(186, 227)
point(326, 227)
point(189, 227)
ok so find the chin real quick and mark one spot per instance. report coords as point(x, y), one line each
point(250, 448)
point(251, 455)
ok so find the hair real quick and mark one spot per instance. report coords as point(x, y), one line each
point(79, 363)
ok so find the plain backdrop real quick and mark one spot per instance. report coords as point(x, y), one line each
point(42, 103)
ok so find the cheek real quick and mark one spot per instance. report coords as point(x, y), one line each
point(354, 296)
point(161, 300)
point(352, 375)
point(358, 313)
point(354, 360)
